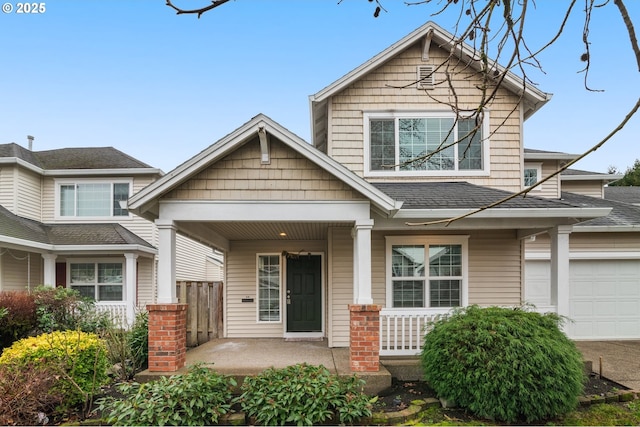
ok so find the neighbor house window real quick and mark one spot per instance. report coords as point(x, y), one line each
point(92, 199)
point(426, 272)
point(532, 174)
point(419, 145)
point(269, 280)
point(98, 281)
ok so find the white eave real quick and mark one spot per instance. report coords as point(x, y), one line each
point(591, 177)
point(549, 156)
point(503, 213)
point(148, 196)
point(48, 248)
point(80, 172)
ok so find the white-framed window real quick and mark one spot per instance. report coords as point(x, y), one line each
point(393, 139)
point(269, 274)
point(99, 280)
point(532, 173)
point(91, 199)
point(427, 271)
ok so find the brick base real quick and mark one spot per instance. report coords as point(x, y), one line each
point(167, 337)
point(364, 337)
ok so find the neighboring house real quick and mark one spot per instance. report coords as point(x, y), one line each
point(604, 254)
point(64, 222)
point(318, 238)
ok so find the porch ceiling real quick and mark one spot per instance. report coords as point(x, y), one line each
point(268, 230)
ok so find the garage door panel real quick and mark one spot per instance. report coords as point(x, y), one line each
point(604, 297)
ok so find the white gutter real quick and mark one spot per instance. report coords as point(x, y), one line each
point(505, 213)
point(76, 172)
point(47, 247)
point(591, 177)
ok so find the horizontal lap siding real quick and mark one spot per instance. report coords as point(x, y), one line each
point(241, 176)
point(374, 93)
point(591, 242)
point(20, 270)
point(146, 285)
point(241, 317)
point(341, 285)
point(549, 189)
point(29, 195)
point(495, 268)
point(586, 188)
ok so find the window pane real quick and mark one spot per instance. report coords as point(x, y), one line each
point(94, 199)
point(110, 293)
point(269, 288)
point(470, 145)
point(83, 273)
point(110, 273)
point(67, 200)
point(408, 293)
point(86, 291)
point(120, 193)
point(382, 144)
point(440, 134)
point(407, 261)
point(530, 177)
point(413, 143)
point(444, 293)
point(445, 260)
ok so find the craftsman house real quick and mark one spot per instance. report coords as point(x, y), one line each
point(64, 222)
point(339, 239)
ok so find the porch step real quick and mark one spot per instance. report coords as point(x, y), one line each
point(403, 368)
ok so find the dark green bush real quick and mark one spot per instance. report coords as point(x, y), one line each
point(139, 340)
point(20, 317)
point(504, 364)
point(304, 395)
point(127, 349)
point(76, 359)
point(199, 397)
point(61, 309)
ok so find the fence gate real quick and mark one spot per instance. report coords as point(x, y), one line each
point(204, 313)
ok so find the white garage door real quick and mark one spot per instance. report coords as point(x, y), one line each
point(604, 297)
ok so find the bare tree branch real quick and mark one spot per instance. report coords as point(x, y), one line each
point(200, 11)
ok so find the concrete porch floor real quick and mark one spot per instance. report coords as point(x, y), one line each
point(240, 357)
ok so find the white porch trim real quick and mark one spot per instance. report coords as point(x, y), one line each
point(560, 268)
point(362, 262)
point(167, 264)
point(49, 270)
point(131, 272)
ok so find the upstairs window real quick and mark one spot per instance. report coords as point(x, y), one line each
point(532, 174)
point(92, 199)
point(395, 141)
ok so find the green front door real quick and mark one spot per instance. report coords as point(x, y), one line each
point(304, 294)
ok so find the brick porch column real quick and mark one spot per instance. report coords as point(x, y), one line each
point(167, 337)
point(364, 337)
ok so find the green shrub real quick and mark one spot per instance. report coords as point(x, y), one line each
point(26, 395)
point(304, 395)
point(61, 309)
point(127, 349)
point(199, 397)
point(139, 340)
point(77, 359)
point(503, 364)
point(20, 318)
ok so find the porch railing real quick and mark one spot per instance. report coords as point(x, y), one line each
point(402, 331)
point(116, 310)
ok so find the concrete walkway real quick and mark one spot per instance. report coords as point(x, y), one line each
point(620, 360)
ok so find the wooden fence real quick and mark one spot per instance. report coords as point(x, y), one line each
point(204, 315)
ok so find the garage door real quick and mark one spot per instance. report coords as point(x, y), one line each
point(604, 297)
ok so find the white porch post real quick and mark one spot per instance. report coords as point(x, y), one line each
point(50, 270)
point(362, 261)
point(130, 285)
point(166, 262)
point(560, 268)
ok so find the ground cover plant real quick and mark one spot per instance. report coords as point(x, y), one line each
point(303, 394)
point(198, 397)
point(503, 364)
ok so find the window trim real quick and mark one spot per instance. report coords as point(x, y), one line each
point(427, 240)
point(96, 261)
point(280, 280)
point(369, 115)
point(538, 168)
point(58, 183)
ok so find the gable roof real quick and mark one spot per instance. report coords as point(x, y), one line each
point(582, 175)
point(78, 159)
point(145, 200)
point(32, 233)
point(535, 97)
point(533, 154)
point(623, 216)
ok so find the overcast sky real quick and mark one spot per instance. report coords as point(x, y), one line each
point(161, 87)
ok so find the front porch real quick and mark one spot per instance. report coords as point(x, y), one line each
point(241, 357)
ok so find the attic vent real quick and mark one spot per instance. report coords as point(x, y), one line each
point(425, 78)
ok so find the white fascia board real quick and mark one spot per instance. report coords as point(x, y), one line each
point(549, 156)
point(605, 228)
point(20, 162)
point(28, 245)
point(103, 172)
point(604, 255)
point(264, 210)
point(591, 177)
point(22, 244)
point(505, 213)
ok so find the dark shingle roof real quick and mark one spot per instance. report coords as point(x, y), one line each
point(73, 158)
point(623, 194)
point(622, 214)
point(66, 234)
point(458, 195)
